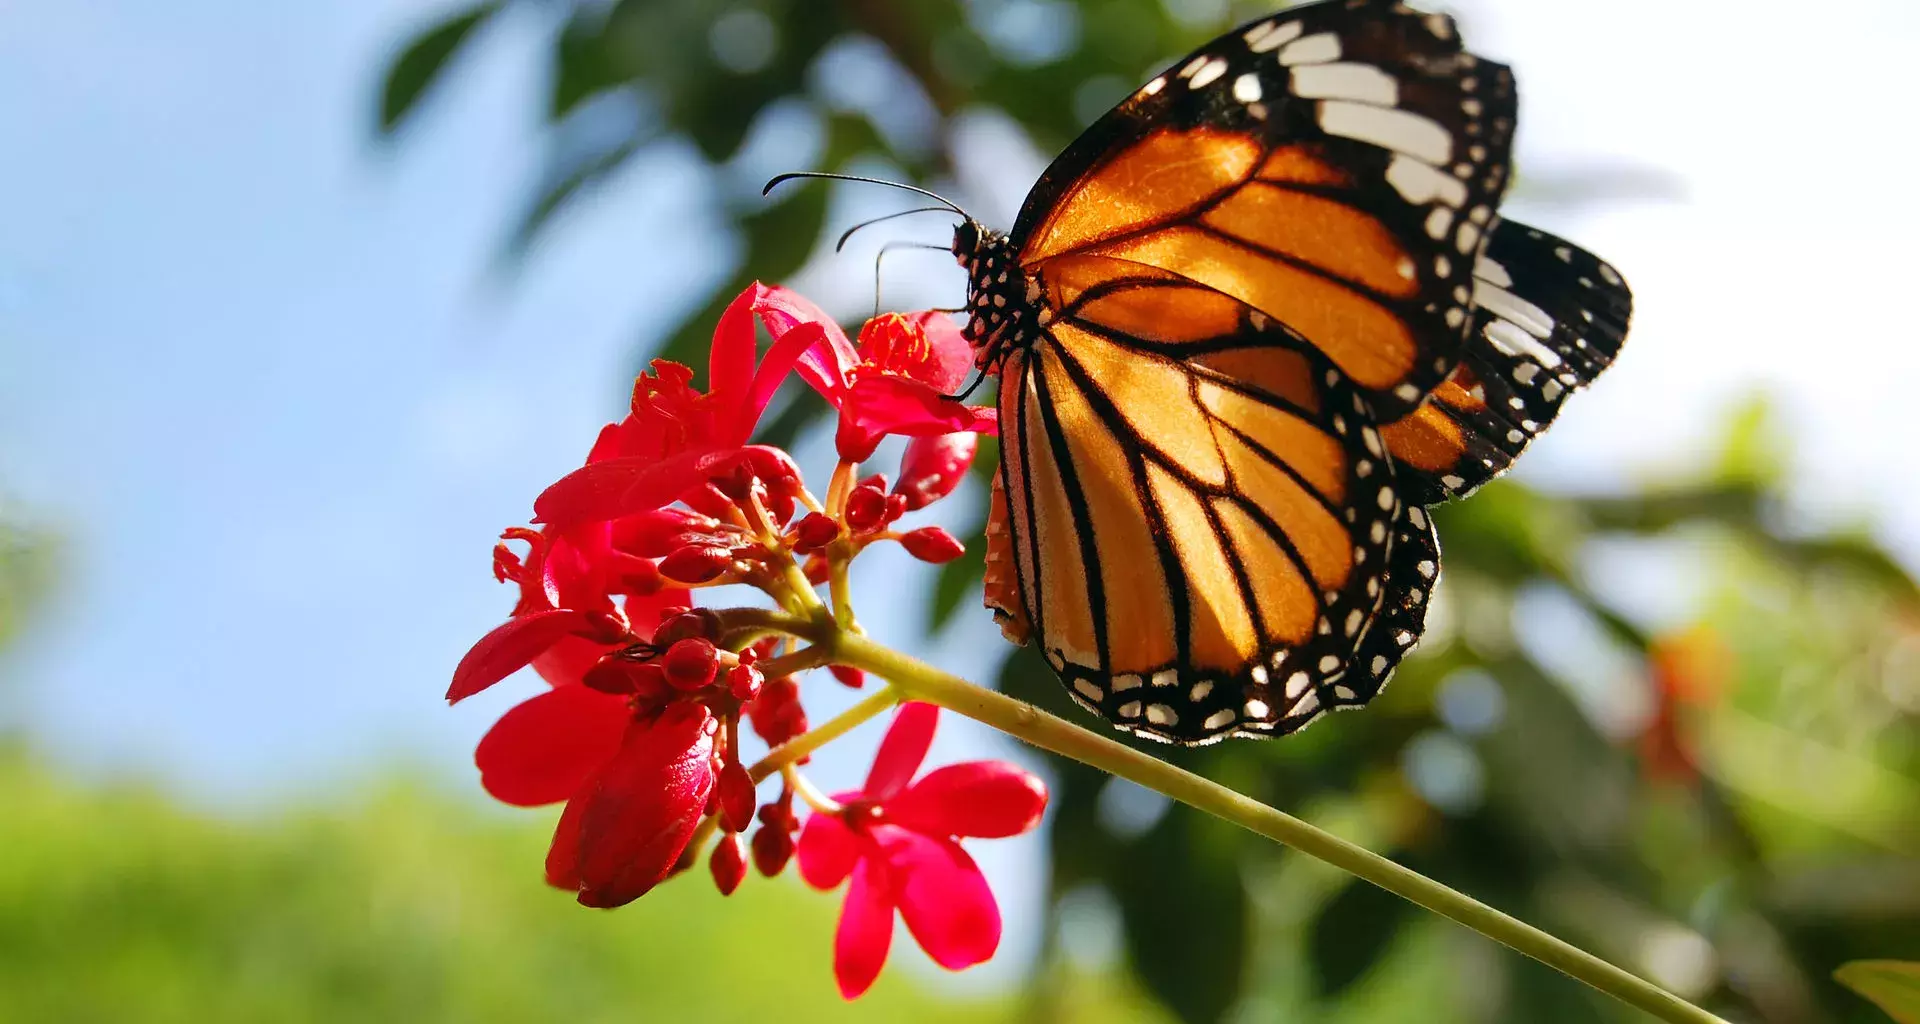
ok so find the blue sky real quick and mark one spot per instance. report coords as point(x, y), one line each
point(254, 368)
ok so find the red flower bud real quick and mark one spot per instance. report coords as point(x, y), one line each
point(743, 681)
point(781, 505)
point(689, 622)
point(655, 532)
point(877, 481)
point(729, 864)
point(849, 675)
point(814, 532)
point(932, 467)
point(817, 570)
point(623, 676)
point(866, 509)
point(896, 506)
point(691, 663)
point(696, 563)
point(772, 848)
point(736, 797)
point(932, 544)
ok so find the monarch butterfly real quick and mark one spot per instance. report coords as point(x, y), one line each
point(1248, 327)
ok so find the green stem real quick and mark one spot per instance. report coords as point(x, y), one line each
point(920, 681)
point(826, 732)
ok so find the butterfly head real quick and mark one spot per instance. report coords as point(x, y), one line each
point(1003, 301)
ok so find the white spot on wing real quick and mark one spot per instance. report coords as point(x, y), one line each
point(1362, 83)
point(1219, 719)
point(1318, 48)
point(1399, 130)
point(1160, 714)
point(1246, 88)
point(1272, 36)
point(1524, 314)
point(1421, 183)
point(1088, 690)
point(1208, 74)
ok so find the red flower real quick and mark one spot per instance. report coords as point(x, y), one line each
point(897, 382)
point(676, 439)
point(897, 842)
point(635, 768)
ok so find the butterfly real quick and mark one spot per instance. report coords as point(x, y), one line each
point(1248, 327)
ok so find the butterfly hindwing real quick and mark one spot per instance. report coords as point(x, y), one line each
point(1548, 318)
point(1192, 531)
point(1335, 167)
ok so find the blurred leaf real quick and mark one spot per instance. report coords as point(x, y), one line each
point(1351, 934)
point(1186, 917)
point(565, 181)
point(424, 60)
point(1892, 985)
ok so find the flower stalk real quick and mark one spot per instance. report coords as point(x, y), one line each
point(920, 681)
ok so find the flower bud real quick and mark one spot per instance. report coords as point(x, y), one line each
point(687, 622)
point(932, 544)
point(743, 682)
point(850, 676)
point(866, 509)
point(657, 531)
point(691, 663)
point(814, 532)
point(932, 467)
point(877, 481)
point(728, 864)
point(696, 563)
point(606, 628)
point(772, 848)
point(736, 796)
point(781, 505)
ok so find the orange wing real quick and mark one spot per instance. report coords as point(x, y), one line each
point(1201, 528)
point(1335, 169)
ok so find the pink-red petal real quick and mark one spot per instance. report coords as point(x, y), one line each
point(902, 749)
point(563, 856)
point(952, 357)
point(513, 645)
point(824, 366)
point(983, 799)
point(942, 896)
point(780, 361)
point(545, 748)
point(634, 484)
point(643, 805)
point(730, 363)
point(865, 932)
point(828, 850)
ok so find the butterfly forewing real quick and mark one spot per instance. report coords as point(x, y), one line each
point(1335, 167)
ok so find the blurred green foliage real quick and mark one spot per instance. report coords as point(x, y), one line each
point(1726, 803)
point(26, 570)
point(1893, 985)
point(117, 904)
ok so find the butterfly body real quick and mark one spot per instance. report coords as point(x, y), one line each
point(1246, 328)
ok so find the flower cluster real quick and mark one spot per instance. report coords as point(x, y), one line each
point(640, 731)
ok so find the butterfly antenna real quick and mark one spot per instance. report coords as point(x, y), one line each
point(842, 243)
point(935, 196)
